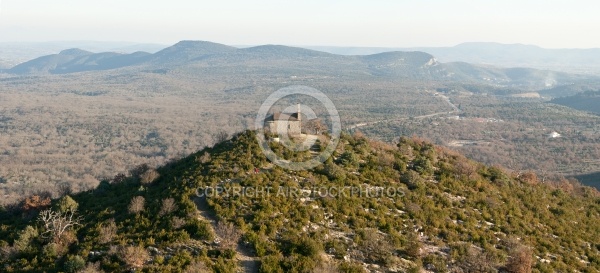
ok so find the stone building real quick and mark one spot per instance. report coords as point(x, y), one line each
point(282, 122)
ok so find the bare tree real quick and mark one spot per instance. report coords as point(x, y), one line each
point(177, 222)
point(221, 136)
point(374, 245)
point(139, 170)
point(476, 261)
point(64, 188)
point(134, 256)
point(149, 176)
point(56, 224)
point(197, 267)
point(107, 232)
point(315, 126)
point(168, 206)
point(119, 178)
point(92, 268)
point(520, 260)
point(137, 205)
point(204, 158)
point(228, 233)
point(326, 267)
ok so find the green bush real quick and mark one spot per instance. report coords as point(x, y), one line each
point(25, 238)
point(347, 267)
point(74, 264)
point(270, 264)
point(66, 204)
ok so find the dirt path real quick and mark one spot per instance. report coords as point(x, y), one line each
point(247, 261)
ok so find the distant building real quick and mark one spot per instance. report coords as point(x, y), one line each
point(281, 122)
point(554, 135)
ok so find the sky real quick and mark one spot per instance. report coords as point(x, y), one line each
point(374, 23)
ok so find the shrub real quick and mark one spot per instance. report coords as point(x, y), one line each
point(74, 264)
point(223, 266)
point(25, 238)
point(66, 204)
point(36, 202)
point(51, 250)
point(270, 264)
point(199, 230)
point(309, 247)
point(413, 245)
point(347, 267)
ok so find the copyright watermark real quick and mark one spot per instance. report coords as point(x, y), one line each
point(296, 192)
point(286, 128)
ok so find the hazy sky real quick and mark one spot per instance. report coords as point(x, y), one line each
point(398, 23)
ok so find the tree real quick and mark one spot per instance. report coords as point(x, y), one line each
point(376, 247)
point(66, 204)
point(529, 178)
point(168, 206)
point(520, 260)
point(139, 170)
point(119, 178)
point(476, 261)
point(413, 245)
point(74, 264)
point(315, 126)
point(137, 204)
point(221, 136)
point(326, 267)
point(25, 238)
point(197, 267)
point(134, 256)
point(228, 233)
point(56, 223)
point(107, 232)
point(204, 158)
point(36, 202)
point(149, 176)
point(92, 268)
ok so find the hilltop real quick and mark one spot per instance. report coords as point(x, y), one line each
point(416, 206)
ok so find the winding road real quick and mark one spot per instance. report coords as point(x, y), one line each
point(455, 110)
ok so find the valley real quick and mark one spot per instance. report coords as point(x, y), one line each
point(97, 124)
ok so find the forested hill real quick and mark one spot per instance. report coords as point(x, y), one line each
point(585, 101)
point(407, 207)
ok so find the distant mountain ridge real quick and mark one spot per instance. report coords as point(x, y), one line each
point(200, 55)
point(497, 54)
point(14, 53)
point(77, 60)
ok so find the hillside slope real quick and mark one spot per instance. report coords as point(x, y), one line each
point(372, 207)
